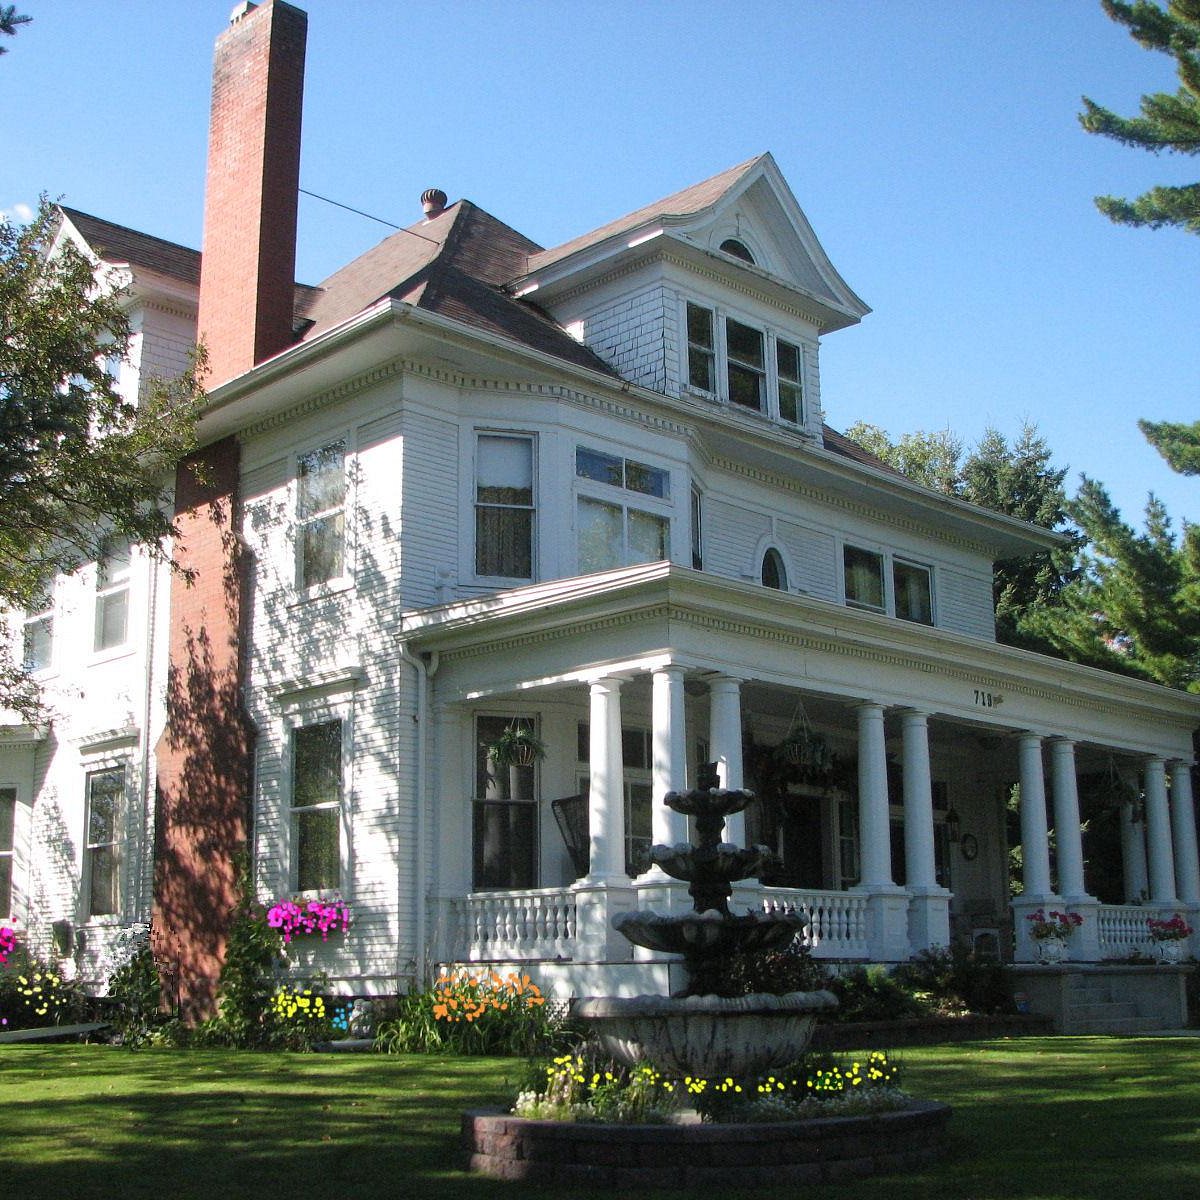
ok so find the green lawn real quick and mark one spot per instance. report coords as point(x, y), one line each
point(1038, 1119)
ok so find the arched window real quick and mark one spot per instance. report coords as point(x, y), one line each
point(738, 250)
point(774, 574)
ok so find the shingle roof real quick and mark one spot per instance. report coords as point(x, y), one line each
point(455, 265)
point(117, 243)
point(690, 200)
point(839, 443)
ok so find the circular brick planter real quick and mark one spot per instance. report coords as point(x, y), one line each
point(688, 1155)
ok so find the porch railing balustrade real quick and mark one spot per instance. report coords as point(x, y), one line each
point(537, 923)
point(1123, 929)
point(835, 922)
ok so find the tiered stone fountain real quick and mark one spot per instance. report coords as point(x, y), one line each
point(701, 1030)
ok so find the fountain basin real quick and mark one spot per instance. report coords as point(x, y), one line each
point(711, 934)
point(723, 862)
point(706, 1036)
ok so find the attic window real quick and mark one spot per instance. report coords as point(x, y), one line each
point(737, 249)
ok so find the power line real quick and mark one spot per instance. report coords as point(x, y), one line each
point(358, 212)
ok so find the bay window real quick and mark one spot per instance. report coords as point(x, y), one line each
point(504, 507)
point(747, 372)
point(612, 530)
point(702, 349)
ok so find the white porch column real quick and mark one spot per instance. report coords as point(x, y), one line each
point(1183, 827)
point(1158, 834)
point(1035, 838)
point(929, 909)
point(451, 833)
point(669, 751)
point(725, 744)
point(656, 890)
point(887, 904)
point(606, 890)
point(1067, 834)
point(1133, 855)
point(874, 824)
point(606, 785)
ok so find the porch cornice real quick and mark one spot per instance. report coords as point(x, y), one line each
point(666, 592)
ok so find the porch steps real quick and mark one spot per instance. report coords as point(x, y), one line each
point(1091, 1007)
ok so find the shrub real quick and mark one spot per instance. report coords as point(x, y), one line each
point(775, 972)
point(953, 980)
point(473, 1014)
point(136, 992)
point(873, 994)
point(34, 995)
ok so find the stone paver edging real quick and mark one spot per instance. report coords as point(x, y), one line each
point(688, 1155)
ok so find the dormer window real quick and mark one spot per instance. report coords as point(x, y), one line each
point(743, 364)
point(747, 365)
point(738, 250)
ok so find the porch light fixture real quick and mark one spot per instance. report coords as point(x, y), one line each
point(953, 824)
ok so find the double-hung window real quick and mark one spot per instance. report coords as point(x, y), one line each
point(316, 810)
point(8, 829)
point(866, 574)
point(504, 506)
point(913, 593)
point(112, 595)
point(702, 348)
point(789, 376)
point(104, 847)
point(321, 515)
point(37, 642)
point(505, 810)
point(622, 511)
point(747, 370)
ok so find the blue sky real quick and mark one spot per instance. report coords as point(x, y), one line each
point(933, 144)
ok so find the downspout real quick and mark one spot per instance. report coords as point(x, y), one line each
point(425, 668)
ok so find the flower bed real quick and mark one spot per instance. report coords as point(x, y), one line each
point(690, 1154)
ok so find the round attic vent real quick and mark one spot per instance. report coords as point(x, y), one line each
point(433, 202)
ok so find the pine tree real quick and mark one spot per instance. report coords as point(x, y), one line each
point(1168, 122)
point(1017, 480)
point(1178, 443)
point(1136, 606)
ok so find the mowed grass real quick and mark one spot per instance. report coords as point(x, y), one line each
point(1038, 1119)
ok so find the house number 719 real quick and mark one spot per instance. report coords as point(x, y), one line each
point(987, 699)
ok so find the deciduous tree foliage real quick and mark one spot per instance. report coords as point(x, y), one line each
point(1018, 480)
point(78, 461)
point(10, 20)
point(1169, 121)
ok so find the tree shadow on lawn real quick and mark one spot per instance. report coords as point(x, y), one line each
point(1066, 1117)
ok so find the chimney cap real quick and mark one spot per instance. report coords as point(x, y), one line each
point(433, 202)
point(241, 10)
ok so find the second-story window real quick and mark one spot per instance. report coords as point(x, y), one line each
point(504, 508)
point(774, 573)
point(112, 595)
point(914, 595)
point(37, 641)
point(614, 529)
point(697, 530)
point(863, 574)
point(321, 515)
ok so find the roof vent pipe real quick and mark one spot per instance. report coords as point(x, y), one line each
point(433, 203)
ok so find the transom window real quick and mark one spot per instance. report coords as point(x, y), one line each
point(750, 367)
point(112, 595)
point(504, 508)
point(8, 826)
point(104, 848)
point(611, 531)
point(321, 515)
point(316, 809)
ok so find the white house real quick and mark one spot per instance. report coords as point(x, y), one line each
point(468, 484)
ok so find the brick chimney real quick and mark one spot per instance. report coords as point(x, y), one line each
point(248, 269)
point(206, 752)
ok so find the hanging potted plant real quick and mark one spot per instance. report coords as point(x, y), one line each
point(517, 746)
point(805, 749)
